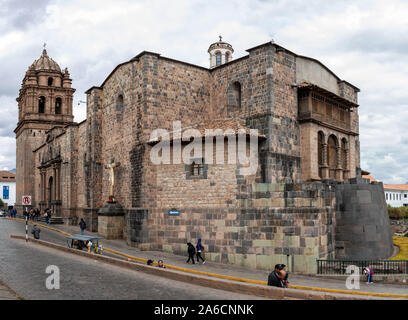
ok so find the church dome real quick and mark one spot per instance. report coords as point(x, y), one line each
point(220, 45)
point(45, 63)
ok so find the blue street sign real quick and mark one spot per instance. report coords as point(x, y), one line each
point(174, 213)
point(5, 192)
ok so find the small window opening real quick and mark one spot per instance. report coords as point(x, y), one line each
point(58, 106)
point(50, 81)
point(196, 169)
point(41, 104)
point(218, 58)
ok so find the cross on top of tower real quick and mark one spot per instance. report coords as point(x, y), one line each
point(44, 50)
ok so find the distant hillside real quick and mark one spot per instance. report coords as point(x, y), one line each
point(14, 170)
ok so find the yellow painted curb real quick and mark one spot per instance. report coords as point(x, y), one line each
point(376, 294)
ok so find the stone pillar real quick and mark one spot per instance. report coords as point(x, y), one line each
point(57, 179)
point(339, 170)
point(346, 170)
point(54, 181)
point(42, 186)
point(111, 221)
point(325, 167)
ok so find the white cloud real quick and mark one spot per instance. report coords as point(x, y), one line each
point(363, 42)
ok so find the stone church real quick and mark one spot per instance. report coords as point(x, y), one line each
point(306, 200)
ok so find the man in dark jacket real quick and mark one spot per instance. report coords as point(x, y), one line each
point(36, 232)
point(191, 252)
point(82, 225)
point(275, 279)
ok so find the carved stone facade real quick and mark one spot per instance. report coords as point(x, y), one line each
point(44, 103)
point(284, 208)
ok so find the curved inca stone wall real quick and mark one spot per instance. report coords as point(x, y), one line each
point(363, 228)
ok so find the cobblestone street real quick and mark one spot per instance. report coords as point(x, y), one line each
point(23, 265)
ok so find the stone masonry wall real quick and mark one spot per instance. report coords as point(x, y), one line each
point(275, 220)
point(363, 227)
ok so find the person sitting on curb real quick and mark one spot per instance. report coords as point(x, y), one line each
point(36, 232)
point(280, 267)
point(160, 264)
point(275, 278)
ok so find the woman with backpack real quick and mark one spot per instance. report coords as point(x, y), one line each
point(199, 248)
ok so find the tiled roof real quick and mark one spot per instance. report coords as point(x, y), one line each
point(236, 125)
point(401, 187)
point(7, 176)
point(368, 177)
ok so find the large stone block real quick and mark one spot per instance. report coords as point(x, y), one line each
point(111, 227)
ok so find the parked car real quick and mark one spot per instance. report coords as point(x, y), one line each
point(3, 213)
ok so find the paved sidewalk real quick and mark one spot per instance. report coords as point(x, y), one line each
point(232, 270)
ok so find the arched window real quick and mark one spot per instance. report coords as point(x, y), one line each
point(41, 104)
point(332, 155)
point(50, 191)
point(119, 103)
point(218, 58)
point(227, 57)
point(234, 97)
point(50, 81)
point(237, 94)
point(58, 105)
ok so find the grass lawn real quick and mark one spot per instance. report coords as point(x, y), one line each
point(402, 243)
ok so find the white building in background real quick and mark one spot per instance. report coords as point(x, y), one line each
point(8, 187)
point(396, 195)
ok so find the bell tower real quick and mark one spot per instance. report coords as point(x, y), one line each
point(220, 53)
point(44, 102)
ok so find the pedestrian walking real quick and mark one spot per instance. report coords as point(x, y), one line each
point(369, 272)
point(47, 216)
point(199, 248)
point(37, 214)
point(36, 232)
point(191, 252)
point(82, 225)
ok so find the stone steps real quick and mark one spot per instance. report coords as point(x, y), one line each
point(54, 220)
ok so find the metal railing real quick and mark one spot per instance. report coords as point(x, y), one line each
point(338, 267)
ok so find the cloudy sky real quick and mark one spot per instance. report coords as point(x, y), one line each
point(363, 42)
